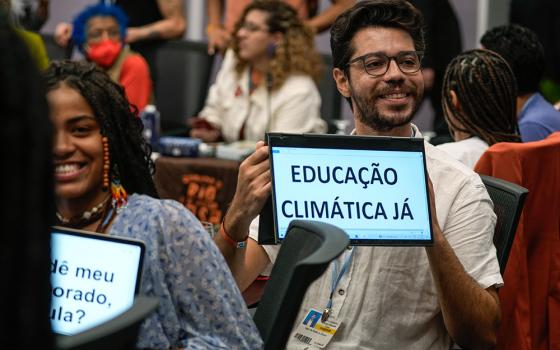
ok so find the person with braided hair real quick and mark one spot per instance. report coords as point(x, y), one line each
point(103, 181)
point(479, 94)
point(267, 81)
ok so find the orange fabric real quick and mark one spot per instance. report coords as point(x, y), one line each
point(234, 9)
point(530, 297)
point(136, 81)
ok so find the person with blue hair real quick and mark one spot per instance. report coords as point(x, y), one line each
point(100, 32)
point(152, 22)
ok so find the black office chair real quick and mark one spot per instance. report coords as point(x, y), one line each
point(330, 97)
point(119, 333)
point(305, 254)
point(184, 69)
point(508, 199)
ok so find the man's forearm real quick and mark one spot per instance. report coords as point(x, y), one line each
point(235, 258)
point(245, 263)
point(471, 313)
point(324, 19)
point(214, 12)
point(170, 28)
point(237, 229)
point(253, 189)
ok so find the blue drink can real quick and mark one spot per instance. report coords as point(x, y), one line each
point(151, 121)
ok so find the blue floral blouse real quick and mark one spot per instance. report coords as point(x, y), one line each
point(200, 306)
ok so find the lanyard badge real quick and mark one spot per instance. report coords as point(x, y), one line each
point(336, 277)
point(317, 328)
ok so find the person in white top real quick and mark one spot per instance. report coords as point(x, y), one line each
point(479, 94)
point(389, 298)
point(267, 81)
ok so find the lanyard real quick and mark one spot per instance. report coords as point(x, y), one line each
point(336, 277)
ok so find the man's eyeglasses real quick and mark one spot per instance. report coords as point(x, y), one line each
point(377, 64)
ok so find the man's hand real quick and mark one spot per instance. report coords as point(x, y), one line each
point(202, 129)
point(253, 189)
point(62, 34)
point(218, 36)
point(218, 39)
point(206, 135)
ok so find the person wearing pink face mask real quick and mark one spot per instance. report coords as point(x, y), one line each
point(99, 32)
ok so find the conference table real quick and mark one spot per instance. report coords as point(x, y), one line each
point(206, 187)
point(203, 185)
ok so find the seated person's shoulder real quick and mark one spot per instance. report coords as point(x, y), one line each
point(145, 202)
point(154, 211)
point(539, 112)
point(227, 62)
point(160, 221)
point(442, 167)
point(134, 61)
point(300, 85)
point(301, 80)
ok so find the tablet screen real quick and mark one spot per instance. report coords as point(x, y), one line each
point(374, 189)
point(94, 278)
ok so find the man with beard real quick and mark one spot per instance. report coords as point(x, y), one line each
point(389, 297)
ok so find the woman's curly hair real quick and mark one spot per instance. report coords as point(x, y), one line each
point(129, 152)
point(295, 54)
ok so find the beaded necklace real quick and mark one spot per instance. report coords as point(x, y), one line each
point(99, 211)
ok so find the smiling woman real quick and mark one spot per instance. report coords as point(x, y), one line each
point(100, 156)
point(78, 153)
point(91, 146)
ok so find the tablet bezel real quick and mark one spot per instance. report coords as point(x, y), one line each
point(268, 221)
point(105, 237)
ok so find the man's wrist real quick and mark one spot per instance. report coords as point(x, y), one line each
point(235, 223)
point(211, 28)
point(151, 34)
point(438, 238)
point(233, 242)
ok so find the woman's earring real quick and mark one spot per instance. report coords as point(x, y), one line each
point(106, 163)
point(271, 50)
point(118, 194)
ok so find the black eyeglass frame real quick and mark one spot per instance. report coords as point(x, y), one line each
point(419, 54)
